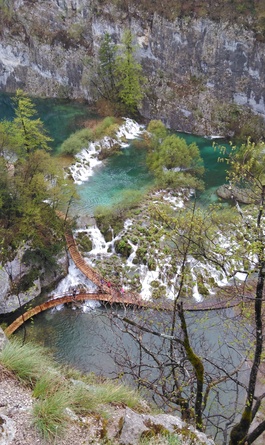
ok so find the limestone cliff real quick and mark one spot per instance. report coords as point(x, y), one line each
point(194, 66)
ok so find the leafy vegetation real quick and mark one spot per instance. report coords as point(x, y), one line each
point(115, 216)
point(174, 163)
point(54, 392)
point(118, 75)
point(81, 138)
point(33, 187)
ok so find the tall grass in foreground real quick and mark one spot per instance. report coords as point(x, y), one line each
point(50, 415)
point(54, 389)
point(28, 362)
point(162, 439)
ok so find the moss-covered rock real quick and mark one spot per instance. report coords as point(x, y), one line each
point(123, 247)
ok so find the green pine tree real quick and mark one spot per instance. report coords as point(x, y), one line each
point(129, 75)
point(29, 133)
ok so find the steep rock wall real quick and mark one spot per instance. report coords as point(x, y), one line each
point(194, 67)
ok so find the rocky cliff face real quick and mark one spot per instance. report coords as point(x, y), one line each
point(194, 67)
point(16, 272)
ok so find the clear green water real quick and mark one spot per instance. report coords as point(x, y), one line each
point(60, 117)
point(117, 175)
point(121, 172)
point(129, 171)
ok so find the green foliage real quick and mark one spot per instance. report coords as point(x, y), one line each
point(116, 393)
point(157, 130)
point(123, 247)
point(246, 166)
point(49, 414)
point(160, 438)
point(115, 216)
point(81, 138)
point(174, 163)
point(54, 392)
point(84, 242)
point(106, 80)
point(28, 132)
point(76, 142)
point(33, 185)
point(117, 77)
point(129, 75)
point(103, 128)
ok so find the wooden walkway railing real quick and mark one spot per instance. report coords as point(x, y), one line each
point(111, 294)
point(108, 298)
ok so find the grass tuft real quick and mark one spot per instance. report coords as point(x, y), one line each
point(56, 390)
point(50, 416)
point(28, 362)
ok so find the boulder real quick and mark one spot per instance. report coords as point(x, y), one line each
point(7, 430)
point(136, 425)
point(16, 271)
point(244, 196)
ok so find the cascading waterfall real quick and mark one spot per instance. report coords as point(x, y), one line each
point(85, 166)
point(87, 160)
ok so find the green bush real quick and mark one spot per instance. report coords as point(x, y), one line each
point(123, 247)
point(102, 129)
point(76, 142)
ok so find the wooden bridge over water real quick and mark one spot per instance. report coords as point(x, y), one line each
point(112, 295)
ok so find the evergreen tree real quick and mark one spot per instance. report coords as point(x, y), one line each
point(129, 75)
point(28, 132)
point(32, 185)
point(106, 68)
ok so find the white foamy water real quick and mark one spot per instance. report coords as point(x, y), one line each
point(130, 130)
point(146, 278)
point(87, 159)
point(75, 279)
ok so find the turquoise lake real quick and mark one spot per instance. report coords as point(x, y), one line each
point(119, 173)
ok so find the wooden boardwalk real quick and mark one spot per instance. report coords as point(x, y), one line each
point(113, 295)
point(118, 298)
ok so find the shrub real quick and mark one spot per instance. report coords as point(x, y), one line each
point(102, 128)
point(76, 142)
point(123, 247)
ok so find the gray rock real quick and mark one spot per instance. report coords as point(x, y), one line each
point(16, 270)
point(241, 195)
point(135, 425)
point(3, 339)
point(7, 430)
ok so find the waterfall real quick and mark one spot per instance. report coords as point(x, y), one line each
point(85, 164)
point(75, 280)
point(87, 159)
point(146, 277)
point(130, 259)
